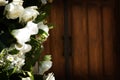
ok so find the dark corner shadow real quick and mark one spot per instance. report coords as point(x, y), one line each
point(117, 39)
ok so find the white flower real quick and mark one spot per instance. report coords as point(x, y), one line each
point(10, 58)
point(27, 78)
point(23, 48)
point(19, 61)
point(3, 2)
point(29, 14)
point(43, 27)
point(13, 11)
point(23, 35)
point(44, 1)
point(32, 27)
point(44, 66)
point(2, 62)
point(50, 76)
point(18, 2)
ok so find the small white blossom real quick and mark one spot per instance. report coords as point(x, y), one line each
point(19, 61)
point(2, 62)
point(10, 58)
point(29, 14)
point(13, 11)
point(45, 66)
point(3, 2)
point(50, 76)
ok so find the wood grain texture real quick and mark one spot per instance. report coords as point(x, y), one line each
point(91, 26)
point(80, 43)
point(95, 43)
point(109, 53)
point(55, 40)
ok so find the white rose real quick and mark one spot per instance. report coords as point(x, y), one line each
point(13, 11)
point(3, 2)
point(23, 35)
point(29, 14)
point(50, 76)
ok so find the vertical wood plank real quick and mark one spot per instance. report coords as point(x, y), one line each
point(108, 31)
point(80, 43)
point(95, 43)
point(56, 41)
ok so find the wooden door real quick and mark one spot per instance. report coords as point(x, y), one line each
point(83, 42)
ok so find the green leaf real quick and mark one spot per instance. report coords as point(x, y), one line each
point(30, 75)
point(47, 58)
point(33, 55)
point(41, 17)
point(51, 26)
point(14, 51)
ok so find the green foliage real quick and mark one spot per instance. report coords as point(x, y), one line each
point(33, 55)
point(7, 40)
point(44, 12)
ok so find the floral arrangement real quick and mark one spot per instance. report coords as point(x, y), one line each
point(23, 29)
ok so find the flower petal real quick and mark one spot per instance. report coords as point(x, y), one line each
point(29, 14)
point(43, 27)
point(18, 2)
point(3, 2)
point(10, 58)
point(13, 11)
point(22, 35)
point(23, 48)
point(44, 66)
point(32, 27)
point(50, 76)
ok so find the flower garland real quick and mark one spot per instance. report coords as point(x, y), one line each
point(23, 29)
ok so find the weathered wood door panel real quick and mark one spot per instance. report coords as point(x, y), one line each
point(95, 42)
point(91, 33)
